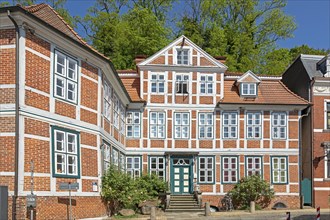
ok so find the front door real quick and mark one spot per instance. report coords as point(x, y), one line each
point(181, 175)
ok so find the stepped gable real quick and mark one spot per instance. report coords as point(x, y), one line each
point(131, 81)
point(270, 91)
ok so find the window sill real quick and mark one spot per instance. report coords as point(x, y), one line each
point(326, 179)
point(326, 130)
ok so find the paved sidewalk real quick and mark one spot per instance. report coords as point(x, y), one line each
point(297, 214)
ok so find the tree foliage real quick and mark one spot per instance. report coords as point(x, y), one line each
point(251, 188)
point(119, 190)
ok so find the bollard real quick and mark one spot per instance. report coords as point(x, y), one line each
point(153, 213)
point(252, 207)
point(288, 216)
point(318, 213)
point(207, 209)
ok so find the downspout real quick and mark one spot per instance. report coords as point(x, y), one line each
point(311, 100)
point(16, 115)
point(300, 156)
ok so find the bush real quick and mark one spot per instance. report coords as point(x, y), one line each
point(119, 190)
point(252, 188)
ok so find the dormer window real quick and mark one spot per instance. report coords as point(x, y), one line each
point(249, 89)
point(182, 56)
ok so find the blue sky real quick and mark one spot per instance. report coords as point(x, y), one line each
point(311, 16)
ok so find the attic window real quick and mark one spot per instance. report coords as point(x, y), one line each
point(182, 56)
point(248, 89)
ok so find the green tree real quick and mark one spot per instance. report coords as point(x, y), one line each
point(251, 188)
point(122, 29)
point(241, 30)
point(59, 6)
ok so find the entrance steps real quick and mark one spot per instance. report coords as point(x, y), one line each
point(183, 203)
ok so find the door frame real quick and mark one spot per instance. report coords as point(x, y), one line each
point(191, 164)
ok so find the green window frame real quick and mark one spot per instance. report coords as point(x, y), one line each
point(279, 169)
point(253, 166)
point(206, 167)
point(65, 152)
point(229, 169)
point(133, 166)
point(157, 166)
point(65, 77)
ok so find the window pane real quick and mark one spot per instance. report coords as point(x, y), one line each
point(71, 143)
point(60, 86)
point(59, 141)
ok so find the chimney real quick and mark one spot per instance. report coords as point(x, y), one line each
point(139, 58)
point(221, 59)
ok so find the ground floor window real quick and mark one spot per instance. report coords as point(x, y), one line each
point(206, 169)
point(229, 169)
point(106, 157)
point(65, 152)
point(133, 166)
point(253, 165)
point(157, 166)
point(279, 170)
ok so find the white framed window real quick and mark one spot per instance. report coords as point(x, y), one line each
point(116, 104)
point(106, 157)
point(182, 56)
point(157, 124)
point(122, 162)
point(253, 125)
point(65, 77)
point(327, 115)
point(205, 125)
point(133, 166)
point(206, 84)
point(229, 125)
point(279, 125)
point(279, 170)
point(157, 166)
point(122, 119)
point(249, 89)
point(181, 125)
point(253, 165)
point(230, 169)
point(115, 157)
point(133, 124)
point(65, 152)
point(181, 84)
point(206, 169)
point(107, 95)
point(157, 83)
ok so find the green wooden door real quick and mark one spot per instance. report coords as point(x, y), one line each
point(306, 188)
point(181, 172)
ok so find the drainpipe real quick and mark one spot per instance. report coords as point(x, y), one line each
point(16, 115)
point(300, 155)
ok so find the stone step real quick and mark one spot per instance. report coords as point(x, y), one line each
point(183, 207)
point(183, 202)
point(182, 198)
point(184, 210)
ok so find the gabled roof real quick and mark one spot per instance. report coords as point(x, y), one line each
point(131, 81)
point(270, 92)
point(249, 76)
point(310, 64)
point(190, 43)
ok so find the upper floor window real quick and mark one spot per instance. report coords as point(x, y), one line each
point(157, 83)
point(249, 89)
point(279, 170)
point(279, 125)
point(253, 125)
point(66, 77)
point(327, 115)
point(157, 125)
point(107, 94)
point(206, 84)
point(65, 152)
point(122, 119)
point(229, 124)
point(133, 124)
point(205, 125)
point(181, 83)
point(181, 125)
point(116, 104)
point(182, 56)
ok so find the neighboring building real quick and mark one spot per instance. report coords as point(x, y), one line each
point(181, 116)
point(202, 126)
point(309, 77)
point(63, 129)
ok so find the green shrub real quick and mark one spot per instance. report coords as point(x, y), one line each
point(119, 190)
point(252, 188)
